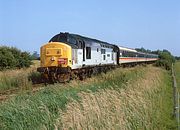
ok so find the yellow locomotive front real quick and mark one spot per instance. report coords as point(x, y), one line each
point(56, 54)
point(56, 61)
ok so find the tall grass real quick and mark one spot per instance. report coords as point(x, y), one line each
point(16, 79)
point(143, 104)
point(177, 73)
point(42, 110)
point(121, 99)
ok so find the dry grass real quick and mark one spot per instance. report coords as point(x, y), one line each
point(135, 98)
point(16, 79)
point(111, 109)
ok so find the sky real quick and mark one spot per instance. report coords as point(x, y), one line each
point(152, 24)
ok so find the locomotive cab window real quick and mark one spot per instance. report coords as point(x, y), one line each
point(59, 38)
point(81, 44)
point(88, 52)
point(71, 40)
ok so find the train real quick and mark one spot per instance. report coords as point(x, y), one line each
point(71, 56)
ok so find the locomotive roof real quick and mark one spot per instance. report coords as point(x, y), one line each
point(64, 37)
point(71, 39)
point(90, 39)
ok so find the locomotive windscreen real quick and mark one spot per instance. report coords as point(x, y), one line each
point(65, 38)
point(59, 38)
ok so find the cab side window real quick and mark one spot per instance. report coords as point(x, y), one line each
point(88, 52)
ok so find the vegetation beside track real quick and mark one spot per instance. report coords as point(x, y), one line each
point(17, 79)
point(143, 104)
point(100, 102)
point(165, 59)
point(177, 73)
point(11, 58)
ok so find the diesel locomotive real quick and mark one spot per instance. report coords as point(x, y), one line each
point(70, 56)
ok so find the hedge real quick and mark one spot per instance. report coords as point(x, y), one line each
point(11, 57)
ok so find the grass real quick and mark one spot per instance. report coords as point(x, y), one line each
point(16, 79)
point(123, 98)
point(177, 73)
point(32, 111)
point(42, 109)
point(162, 104)
point(143, 104)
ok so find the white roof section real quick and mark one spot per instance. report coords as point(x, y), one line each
point(127, 49)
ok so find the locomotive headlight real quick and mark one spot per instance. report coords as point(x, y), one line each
point(52, 58)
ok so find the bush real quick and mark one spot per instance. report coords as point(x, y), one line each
point(11, 57)
point(35, 77)
point(165, 59)
point(7, 60)
point(177, 57)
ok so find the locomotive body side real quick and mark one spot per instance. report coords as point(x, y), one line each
point(93, 54)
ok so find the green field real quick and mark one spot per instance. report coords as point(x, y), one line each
point(133, 98)
point(177, 73)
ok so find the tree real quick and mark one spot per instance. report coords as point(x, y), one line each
point(25, 60)
point(177, 57)
point(165, 59)
point(11, 57)
point(7, 59)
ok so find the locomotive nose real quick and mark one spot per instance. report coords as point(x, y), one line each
point(55, 54)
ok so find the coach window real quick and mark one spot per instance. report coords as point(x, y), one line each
point(88, 52)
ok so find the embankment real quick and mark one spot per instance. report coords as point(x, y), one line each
point(135, 98)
